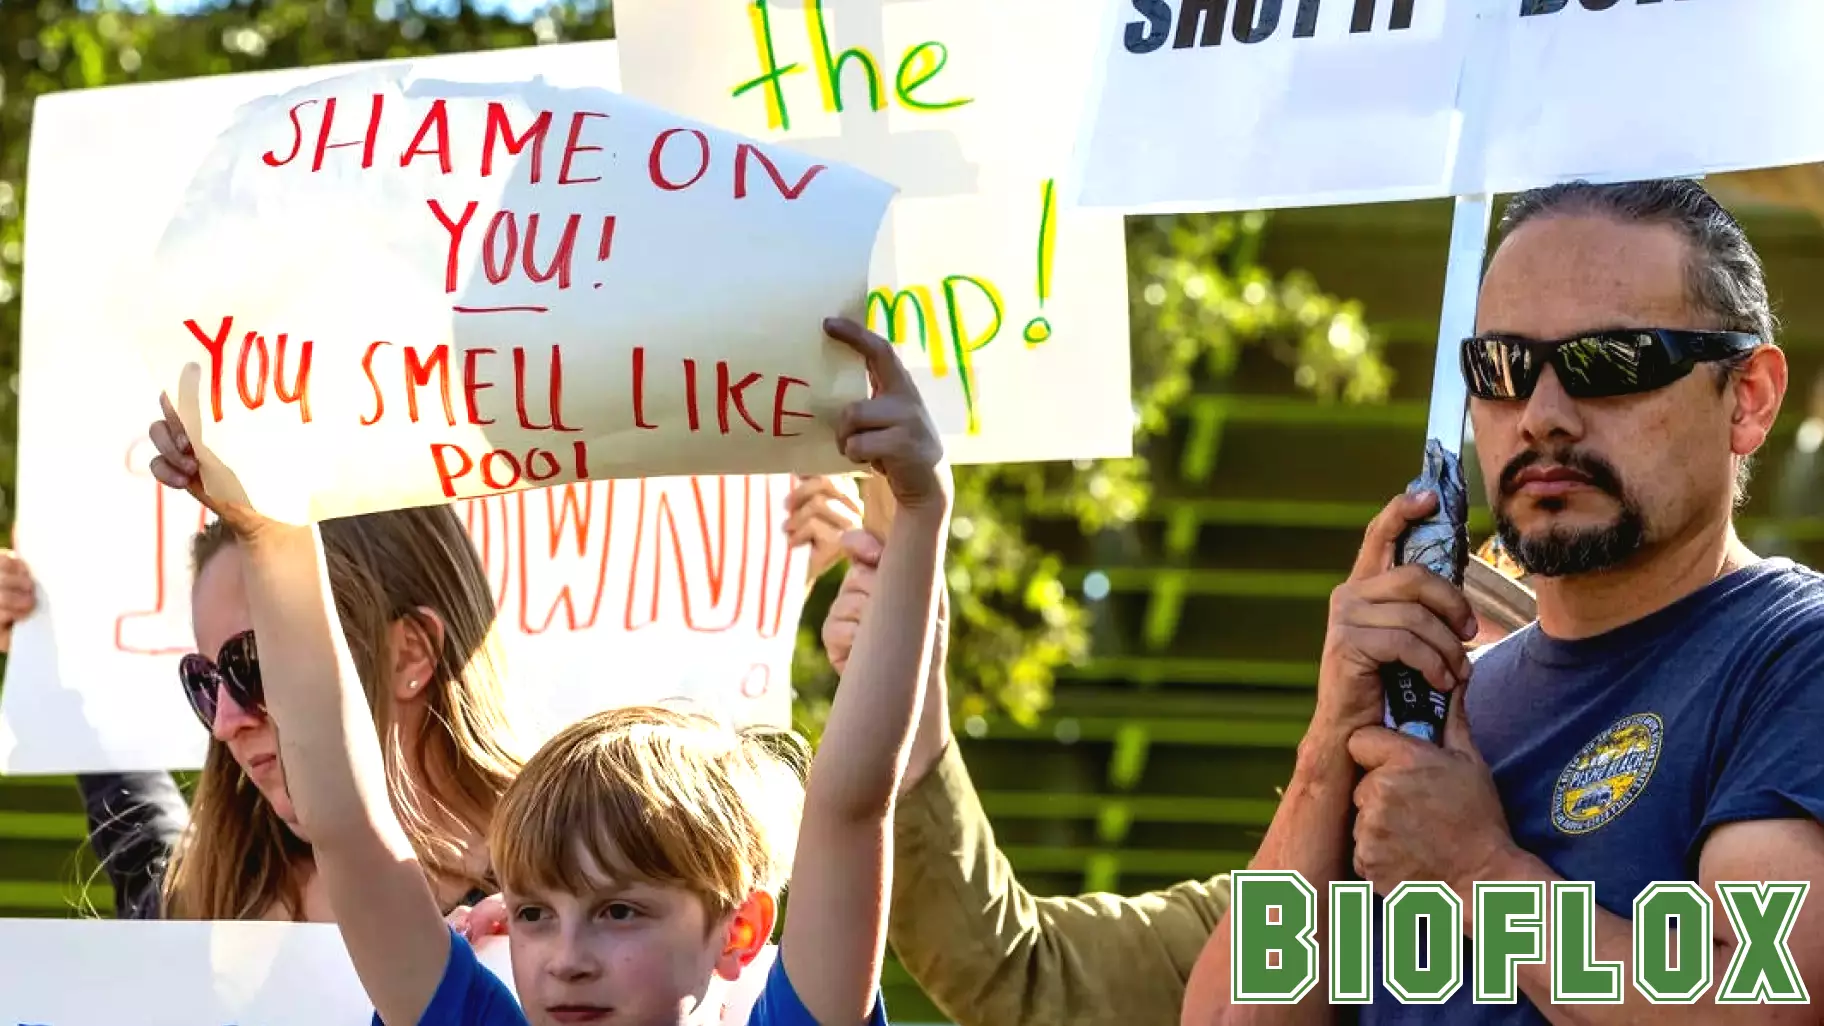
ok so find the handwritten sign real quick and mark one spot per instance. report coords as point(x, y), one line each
point(1011, 308)
point(95, 973)
point(683, 585)
point(481, 288)
point(1199, 105)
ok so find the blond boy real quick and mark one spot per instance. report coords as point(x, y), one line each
point(642, 852)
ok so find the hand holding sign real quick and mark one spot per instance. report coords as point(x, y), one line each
point(484, 288)
point(176, 466)
point(892, 432)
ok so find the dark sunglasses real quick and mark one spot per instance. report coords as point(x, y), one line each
point(1598, 365)
point(236, 670)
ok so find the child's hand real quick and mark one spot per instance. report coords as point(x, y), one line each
point(175, 466)
point(818, 511)
point(892, 432)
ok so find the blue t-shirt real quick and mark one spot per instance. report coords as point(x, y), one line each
point(778, 1004)
point(1617, 755)
point(471, 995)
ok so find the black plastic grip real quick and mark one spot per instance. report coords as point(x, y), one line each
point(1440, 543)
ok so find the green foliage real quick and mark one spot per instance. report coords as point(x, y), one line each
point(1197, 292)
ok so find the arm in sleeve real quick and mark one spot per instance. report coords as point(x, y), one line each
point(988, 953)
point(135, 820)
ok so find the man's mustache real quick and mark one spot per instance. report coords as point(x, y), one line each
point(1595, 469)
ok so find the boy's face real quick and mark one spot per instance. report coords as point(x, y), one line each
point(628, 953)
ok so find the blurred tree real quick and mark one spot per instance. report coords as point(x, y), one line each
point(1198, 295)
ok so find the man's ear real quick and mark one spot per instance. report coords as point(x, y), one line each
point(749, 928)
point(1759, 388)
point(417, 641)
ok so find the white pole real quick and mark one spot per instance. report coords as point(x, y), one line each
point(1457, 321)
point(1441, 541)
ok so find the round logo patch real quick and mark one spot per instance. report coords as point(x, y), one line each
point(1608, 774)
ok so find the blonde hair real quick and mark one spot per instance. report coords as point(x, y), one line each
point(655, 794)
point(237, 860)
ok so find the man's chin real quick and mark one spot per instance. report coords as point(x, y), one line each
point(1572, 546)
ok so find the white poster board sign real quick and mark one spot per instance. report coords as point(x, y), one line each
point(1012, 309)
point(1199, 106)
point(486, 287)
point(683, 586)
point(104, 973)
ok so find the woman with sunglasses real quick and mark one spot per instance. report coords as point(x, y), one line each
point(418, 612)
point(416, 608)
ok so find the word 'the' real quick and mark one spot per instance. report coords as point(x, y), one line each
point(917, 67)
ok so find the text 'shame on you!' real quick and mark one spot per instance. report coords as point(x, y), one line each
point(484, 288)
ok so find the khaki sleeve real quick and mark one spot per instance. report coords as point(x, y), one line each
point(988, 953)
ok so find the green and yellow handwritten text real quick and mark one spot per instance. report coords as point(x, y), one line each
point(972, 316)
point(917, 67)
point(973, 312)
point(1039, 328)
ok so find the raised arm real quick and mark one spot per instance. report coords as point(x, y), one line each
point(334, 769)
point(835, 923)
point(985, 950)
point(988, 952)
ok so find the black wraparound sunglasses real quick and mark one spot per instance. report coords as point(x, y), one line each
point(1596, 365)
point(236, 671)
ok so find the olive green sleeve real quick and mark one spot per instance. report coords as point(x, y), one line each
point(990, 954)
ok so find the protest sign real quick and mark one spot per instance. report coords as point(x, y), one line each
point(359, 267)
point(96, 973)
point(1208, 105)
point(683, 587)
point(1011, 309)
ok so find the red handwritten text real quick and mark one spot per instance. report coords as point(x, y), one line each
point(709, 554)
point(256, 366)
point(502, 249)
point(421, 367)
point(501, 469)
point(728, 396)
point(431, 139)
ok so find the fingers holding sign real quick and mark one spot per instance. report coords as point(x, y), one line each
point(176, 466)
point(818, 512)
point(892, 431)
point(1412, 793)
point(1385, 614)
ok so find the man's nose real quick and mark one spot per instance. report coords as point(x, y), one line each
point(1550, 413)
point(230, 718)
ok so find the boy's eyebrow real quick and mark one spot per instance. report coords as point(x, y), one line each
point(609, 887)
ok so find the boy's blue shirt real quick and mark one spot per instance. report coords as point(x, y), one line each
point(471, 995)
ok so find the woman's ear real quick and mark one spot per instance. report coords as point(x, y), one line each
point(417, 642)
point(749, 928)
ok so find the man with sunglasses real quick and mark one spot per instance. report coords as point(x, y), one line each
point(1660, 720)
